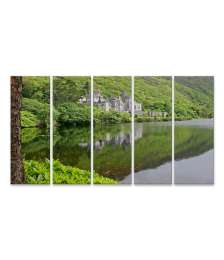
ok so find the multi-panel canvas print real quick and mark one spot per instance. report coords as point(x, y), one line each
point(112, 130)
point(72, 117)
point(194, 130)
point(30, 122)
point(152, 131)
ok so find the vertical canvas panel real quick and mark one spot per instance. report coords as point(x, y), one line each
point(152, 130)
point(72, 144)
point(30, 141)
point(194, 130)
point(112, 130)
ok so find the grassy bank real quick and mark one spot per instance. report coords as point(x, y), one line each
point(39, 173)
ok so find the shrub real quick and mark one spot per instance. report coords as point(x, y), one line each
point(72, 175)
point(37, 172)
point(71, 113)
point(28, 119)
point(40, 110)
point(110, 117)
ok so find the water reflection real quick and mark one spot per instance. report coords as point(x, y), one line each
point(194, 156)
point(112, 151)
point(153, 153)
point(72, 146)
point(35, 144)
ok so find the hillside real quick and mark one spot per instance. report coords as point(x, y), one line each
point(112, 86)
point(155, 93)
point(194, 97)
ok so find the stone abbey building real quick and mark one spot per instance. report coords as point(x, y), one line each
point(119, 104)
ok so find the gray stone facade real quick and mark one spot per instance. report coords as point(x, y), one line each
point(120, 104)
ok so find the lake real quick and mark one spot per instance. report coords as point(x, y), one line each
point(112, 151)
point(153, 153)
point(194, 155)
point(194, 152)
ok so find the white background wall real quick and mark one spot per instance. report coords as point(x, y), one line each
point(116, 37)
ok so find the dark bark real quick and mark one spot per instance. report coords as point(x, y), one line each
point(17, 169)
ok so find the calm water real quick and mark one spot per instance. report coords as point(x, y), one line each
point(35, 144)
point(72, 146)
point(194, 154)
point(153, 153)
point(112, 151)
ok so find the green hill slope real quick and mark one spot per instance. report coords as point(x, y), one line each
point(155, 93)
point(194, 97)
point(112, 86)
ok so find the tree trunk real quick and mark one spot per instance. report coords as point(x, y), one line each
point(17, 169)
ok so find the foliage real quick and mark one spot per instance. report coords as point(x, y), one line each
point(72, 114)
point(28, 119)
point(145, 118)
point(112, 86)
point(99, 179)
point(110, 117)
point(72, 175)
point(69, 89)
point(194, 97)
point(29, 134)
point(40, 110)
point(154, 93)
point(36, 88)
point(37, 172)
point(35, 101)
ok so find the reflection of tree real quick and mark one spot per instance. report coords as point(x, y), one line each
point(72, 146)
point(17, 170)
point(154, 148)
point(35, 145)
point(192, 141)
